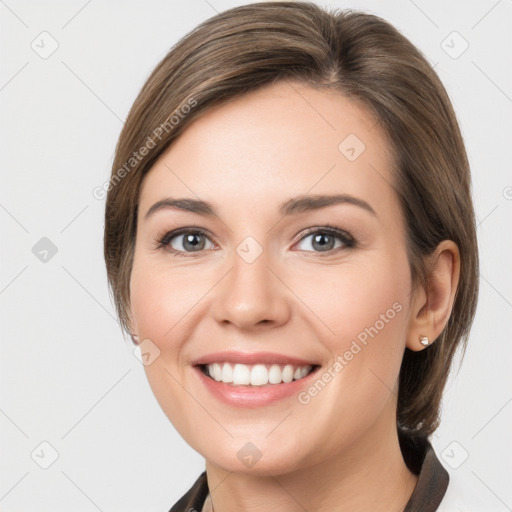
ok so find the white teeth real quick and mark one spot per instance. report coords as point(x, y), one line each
point(259, 375)
point(274, 374)
point(288, 373)
point(216, 372)
point(227, 373)
point(241, 375)
point(256, 375)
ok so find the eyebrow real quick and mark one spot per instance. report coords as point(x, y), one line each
point(293, 206)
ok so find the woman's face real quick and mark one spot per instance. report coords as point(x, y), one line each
point(271, 285)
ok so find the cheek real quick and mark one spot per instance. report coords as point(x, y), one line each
point(357, 299)
point(362, 315)
point(161, 302)
point(160, 299)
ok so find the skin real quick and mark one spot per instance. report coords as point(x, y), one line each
point(339, 451)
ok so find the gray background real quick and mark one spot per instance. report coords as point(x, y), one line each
point(68, 379)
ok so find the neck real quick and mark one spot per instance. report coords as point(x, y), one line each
point(369, 475)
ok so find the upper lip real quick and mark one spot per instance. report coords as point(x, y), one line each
point(250, 358)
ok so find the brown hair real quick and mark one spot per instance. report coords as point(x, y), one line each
point(366, 59)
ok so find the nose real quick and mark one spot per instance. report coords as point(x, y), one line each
point(252, 296)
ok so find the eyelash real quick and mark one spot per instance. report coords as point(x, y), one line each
point(347, 240)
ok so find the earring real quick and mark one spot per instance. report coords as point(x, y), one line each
point(134, 338)
point(424, 340)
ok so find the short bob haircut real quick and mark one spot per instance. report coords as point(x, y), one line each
point(365, 59)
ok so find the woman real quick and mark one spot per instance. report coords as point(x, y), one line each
point(290, 237)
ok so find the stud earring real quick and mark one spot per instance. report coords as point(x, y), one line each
point(424, 340)
point(134, 338)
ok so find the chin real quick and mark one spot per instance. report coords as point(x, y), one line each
point(251, 464)
point(256, 455)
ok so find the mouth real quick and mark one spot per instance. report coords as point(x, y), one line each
point(238, 374)
point(251, 380)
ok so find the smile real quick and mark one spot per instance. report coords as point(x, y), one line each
point(255, 375)
point(254, 379)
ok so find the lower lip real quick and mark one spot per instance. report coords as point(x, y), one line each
point(253, 396)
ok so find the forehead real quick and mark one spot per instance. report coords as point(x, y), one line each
point(279, 141)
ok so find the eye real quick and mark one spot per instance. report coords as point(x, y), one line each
point(186, 241)
point(193, 242)
point(325, 239)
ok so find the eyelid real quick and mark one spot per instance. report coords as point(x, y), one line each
point(326, 228)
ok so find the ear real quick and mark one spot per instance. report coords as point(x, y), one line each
point(432, 304)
